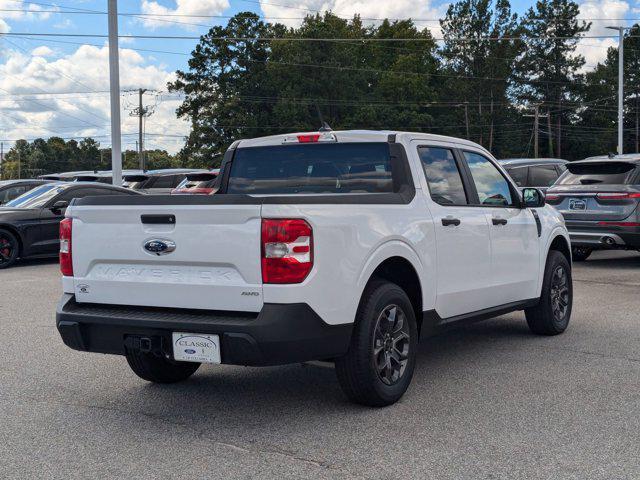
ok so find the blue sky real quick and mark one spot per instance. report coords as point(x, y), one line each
point(49, 87)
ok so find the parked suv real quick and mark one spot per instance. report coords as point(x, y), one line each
point(341, 246)
point(599, 198)
point(534, 172)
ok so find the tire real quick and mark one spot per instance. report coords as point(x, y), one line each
point(551, 315)
point(377, 369)
point(580, 254)
point(9, 248)
point(158, 369)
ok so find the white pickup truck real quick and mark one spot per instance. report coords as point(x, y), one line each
point(341, 246)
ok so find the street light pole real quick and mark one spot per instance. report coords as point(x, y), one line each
point(620, 86)
point(114, 87)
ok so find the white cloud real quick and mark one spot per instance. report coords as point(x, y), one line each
point(608, 13)
point(371, 9)
point(28, 114)
point(19, 10)
point(183, 7)
point(42, 51)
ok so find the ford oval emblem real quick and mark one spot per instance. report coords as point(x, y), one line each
point(190, 351)
point(159, 247)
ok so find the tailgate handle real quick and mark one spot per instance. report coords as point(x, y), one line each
point(158, 219)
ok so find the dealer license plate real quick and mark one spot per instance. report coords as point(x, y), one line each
point(196, 347)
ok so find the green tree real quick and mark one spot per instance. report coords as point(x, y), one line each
point(548, 72)
point(479, 53)
point(222, 73)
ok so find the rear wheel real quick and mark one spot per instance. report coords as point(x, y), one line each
point(551, 315)
point(8, 248)
point(377, 369)
point(159, 369)
point(580, 254)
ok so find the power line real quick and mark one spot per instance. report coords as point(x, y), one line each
point(319, 39)
point(268, 17)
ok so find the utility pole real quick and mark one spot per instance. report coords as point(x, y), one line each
point(549, 136)
point(141, 112)
point(1, 157)
point(114, 87)
point(466, 116)
point(620, 86)
point(536, 129)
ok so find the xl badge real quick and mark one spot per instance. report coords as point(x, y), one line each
point(159, 247)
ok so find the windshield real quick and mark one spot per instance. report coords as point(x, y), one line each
point(316, 168)
point(36, 198)
point(135, 182)
point(606, 172)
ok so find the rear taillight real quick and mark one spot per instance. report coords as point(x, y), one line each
point(617, 195)
point(66, 257)
point(287, 250)
point(552, 197)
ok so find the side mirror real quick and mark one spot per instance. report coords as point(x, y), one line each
point(532, 198)
point(60, 205)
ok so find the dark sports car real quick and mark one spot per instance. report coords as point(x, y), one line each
point(29, 224)
point(10, 189)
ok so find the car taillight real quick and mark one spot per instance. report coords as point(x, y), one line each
point(66, 257)
point(287, 250)
point(617, 195)
point(552, 197)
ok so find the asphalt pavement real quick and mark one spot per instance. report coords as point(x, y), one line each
point(491, 401)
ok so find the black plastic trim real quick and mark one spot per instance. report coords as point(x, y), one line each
point(432, 323)
point(158, 219)
point(278, 334)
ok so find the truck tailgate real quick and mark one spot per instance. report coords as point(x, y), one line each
point(215, 264)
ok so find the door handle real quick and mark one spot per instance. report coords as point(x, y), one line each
point(450, 221)
point(499, 221)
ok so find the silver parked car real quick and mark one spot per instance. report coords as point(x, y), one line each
point(599, 199)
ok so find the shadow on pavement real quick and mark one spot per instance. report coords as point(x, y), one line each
point(34, 262)
point(612, 259)
point(240, 397)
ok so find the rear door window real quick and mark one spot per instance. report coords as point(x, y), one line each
point(443, 176)
point(606, 172)
point(315, 168)
point(542, 175)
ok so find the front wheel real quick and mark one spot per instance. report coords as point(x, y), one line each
point(377, 369)
point(551, 315)
point(158, 369)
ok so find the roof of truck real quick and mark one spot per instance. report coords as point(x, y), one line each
point(356, 136)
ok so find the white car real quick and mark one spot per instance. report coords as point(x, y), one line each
point(342, 246)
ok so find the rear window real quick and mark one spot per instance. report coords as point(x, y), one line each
point(519, 175)
point(543, 175)
point(610, 173)
point(317, 168)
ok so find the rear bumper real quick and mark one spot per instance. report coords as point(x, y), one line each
point(279, 334)
point(603, 237)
